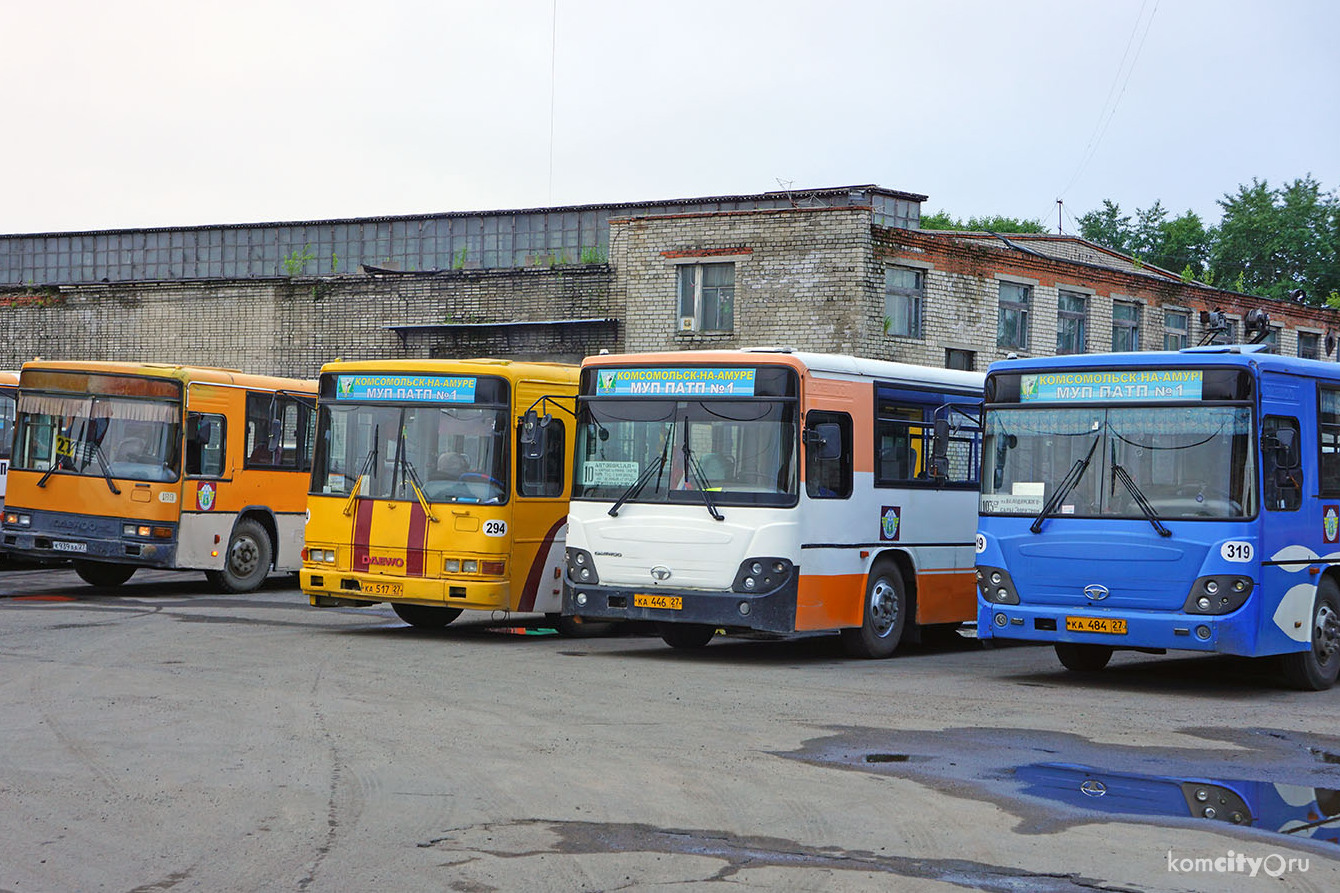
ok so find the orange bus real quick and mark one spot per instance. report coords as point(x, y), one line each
point(125, 465)
point(429, 492)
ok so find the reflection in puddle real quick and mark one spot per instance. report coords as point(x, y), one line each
point(1287, 809)
point(521, 631)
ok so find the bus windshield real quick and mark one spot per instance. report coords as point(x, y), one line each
point(454, 453)
point(1182, 461)
point(98, 436)
point(743, 452)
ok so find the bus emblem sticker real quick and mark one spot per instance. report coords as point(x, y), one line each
point(1330, 523)
point(204, 496)
point(890, 517)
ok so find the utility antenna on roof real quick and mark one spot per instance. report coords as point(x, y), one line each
point(785, 186)
point(1058, 218)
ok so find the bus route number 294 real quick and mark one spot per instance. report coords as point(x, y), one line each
point(495, 527)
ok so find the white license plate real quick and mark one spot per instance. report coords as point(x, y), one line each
point(69, 547)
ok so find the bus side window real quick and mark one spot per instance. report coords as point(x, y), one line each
point(205, 445)
point(543, 476)
point(1281, 463)
point(828, 465)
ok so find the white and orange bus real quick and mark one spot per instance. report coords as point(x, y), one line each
point(126, 465)
point(771, 492)
point(9, 395)
point(429, 492)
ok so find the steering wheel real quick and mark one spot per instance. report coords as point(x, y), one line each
point(473, 476)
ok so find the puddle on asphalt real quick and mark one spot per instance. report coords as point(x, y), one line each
point(1266, 780)
point(1294, 810)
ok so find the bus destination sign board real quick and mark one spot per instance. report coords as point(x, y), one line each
point(1110, 386)
point(406, 388)
point(660, 381)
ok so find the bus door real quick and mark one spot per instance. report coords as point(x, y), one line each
point(540, 499)
point(207, 473)
point(1294, 519)
point(832, 526)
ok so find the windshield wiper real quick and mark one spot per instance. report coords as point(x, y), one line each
point(647, 474)
point(1121, 474)
point(368, 461)
point(1063, 489)
point(691, 465)
point(416, 483)
point(102, 463)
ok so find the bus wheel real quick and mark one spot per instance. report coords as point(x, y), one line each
point(884, 618)
point(425, 616)
point(246, 564)
point(686, 635)
point(103, 576)
point(1083, 658)
point(1316, 668)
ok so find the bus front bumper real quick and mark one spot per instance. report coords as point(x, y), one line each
point(770, 612)
point(55, 536)
point(1129, 629)
point(328, 587)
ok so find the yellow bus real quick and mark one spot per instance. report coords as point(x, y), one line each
point(126, 465)
point(429, 493)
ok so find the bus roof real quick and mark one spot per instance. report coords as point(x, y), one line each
point(9, 378)
point(1243, 355)
point(511, 369)
point(822, 363)
point(184, 374)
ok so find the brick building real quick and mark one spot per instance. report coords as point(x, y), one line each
point(845, 270)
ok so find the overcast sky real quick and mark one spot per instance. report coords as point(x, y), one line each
point(136, 113)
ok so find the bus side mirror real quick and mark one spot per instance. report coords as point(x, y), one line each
point(192, 429)
point(534, 434)
point(939, 469)
point(1284, 443)
point(826, 440)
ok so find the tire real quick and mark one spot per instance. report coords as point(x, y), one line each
point(103, 575)
point(1083, 658)
point(1316, 668)
point(686, 635)
point(883, 618)
point(425, 616)
point(246, 564)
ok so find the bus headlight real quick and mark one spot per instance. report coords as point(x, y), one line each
point(995, 585)
point(18, 519)
point(581, 567)
point(762, 574)
point(1218, 594)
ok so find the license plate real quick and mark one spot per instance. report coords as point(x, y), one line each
point(668, 602)
point(69, 547)
point(381, 588)
point(1115, 626)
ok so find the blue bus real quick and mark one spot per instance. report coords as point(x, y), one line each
point(1154, 501)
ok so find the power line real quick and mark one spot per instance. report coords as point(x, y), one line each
point(1109, 108)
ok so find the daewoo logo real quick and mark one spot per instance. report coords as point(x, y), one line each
point(660, 572)
point(1095, 592)
point(383, 561)
point(73, 524)
point(1093, 788)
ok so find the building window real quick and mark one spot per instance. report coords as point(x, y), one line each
point(1125, 326)
point(960, 359)
point(706, 297)
point(904, 291)
point(1272, 339)
point(1012, 327)
point(1309, 344)
point(1071, 322)
point(1176, 325)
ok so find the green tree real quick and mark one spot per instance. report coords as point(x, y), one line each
point(1274, 241)
point(994, 224)
point(1108, 227)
